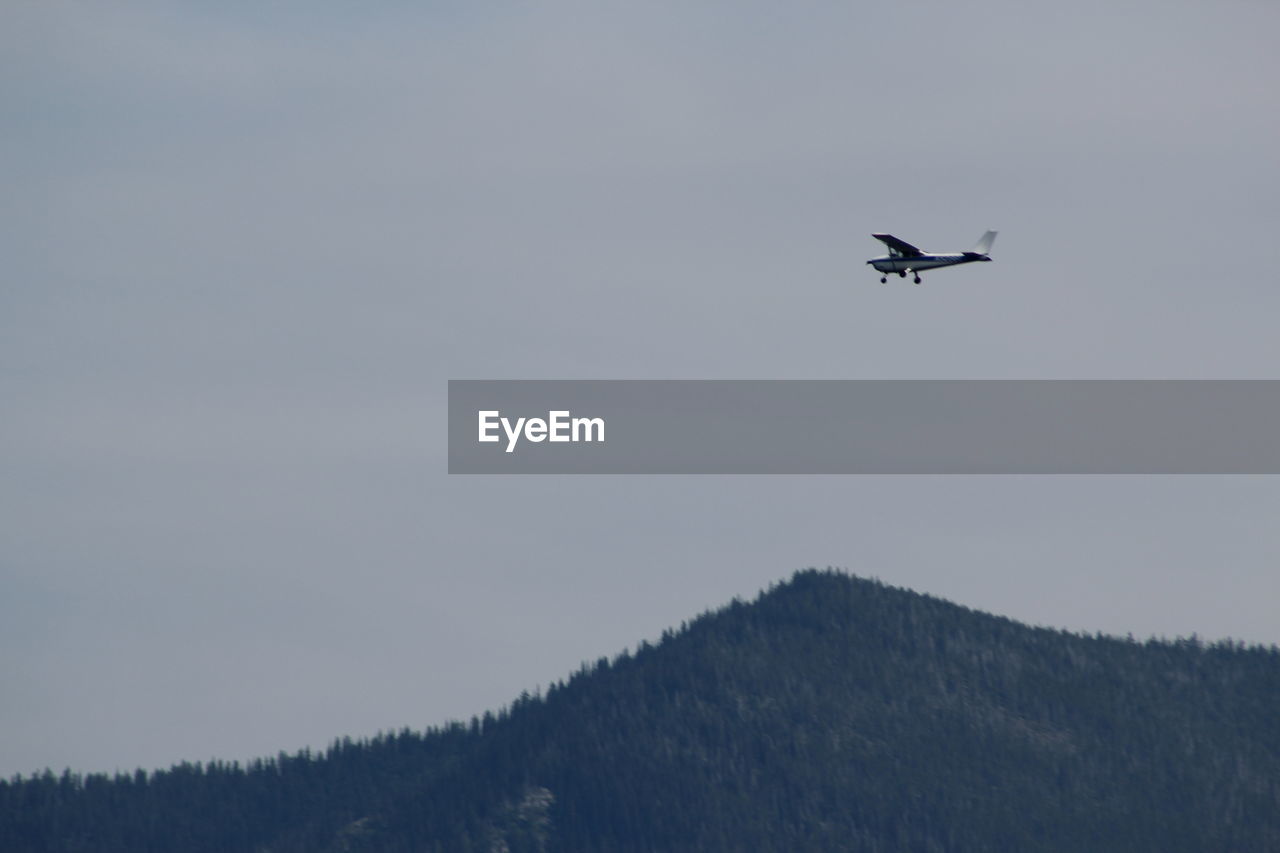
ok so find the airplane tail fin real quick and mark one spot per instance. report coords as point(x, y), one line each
point(984, 245)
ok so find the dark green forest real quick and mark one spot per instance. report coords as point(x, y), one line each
point(831, 713)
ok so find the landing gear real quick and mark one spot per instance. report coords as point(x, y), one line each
point(915, 276)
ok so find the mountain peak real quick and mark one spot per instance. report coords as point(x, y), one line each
point(830, 713)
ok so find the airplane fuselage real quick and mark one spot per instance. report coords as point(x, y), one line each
point(901, 264)
point(905, 258)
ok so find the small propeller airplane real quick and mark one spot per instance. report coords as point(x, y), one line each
point(905, 258)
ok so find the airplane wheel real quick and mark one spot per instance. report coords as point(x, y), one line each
point(902, 275)
point(917, 280)
point(884, 280)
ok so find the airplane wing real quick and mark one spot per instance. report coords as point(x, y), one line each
point(900, 246)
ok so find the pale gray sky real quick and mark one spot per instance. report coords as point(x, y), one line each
point(245, 248)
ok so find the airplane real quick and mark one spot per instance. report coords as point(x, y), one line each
point(905, 258)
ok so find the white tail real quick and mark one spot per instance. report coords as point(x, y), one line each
point(984, 245)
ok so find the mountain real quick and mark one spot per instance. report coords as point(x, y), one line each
point(831, 713)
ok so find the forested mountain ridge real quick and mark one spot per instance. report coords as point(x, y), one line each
point(832, 713)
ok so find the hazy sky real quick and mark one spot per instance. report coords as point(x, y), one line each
point(245, 245)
